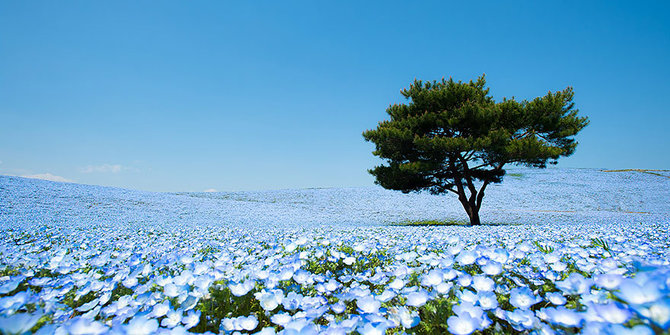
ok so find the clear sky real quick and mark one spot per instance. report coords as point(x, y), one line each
point(196, 95)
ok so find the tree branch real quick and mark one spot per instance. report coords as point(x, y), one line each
point(480, 195)
point(480, 166)
point(459, 183)
point(451, 190)
point(468, 155)
point(468, 178)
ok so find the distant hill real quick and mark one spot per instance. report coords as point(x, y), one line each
point(526, 196)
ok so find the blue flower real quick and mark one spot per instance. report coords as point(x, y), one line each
point(521, 319)
point(523, 297)
point(556, 298)
point(575, 284)
point(18, 323)
point(487, 300)
point(612, 312)
point(417, 299)
point(637, 294)
point(658, 312)
point(563, 316)
point(462, 324)
point(637, 330)
point(368, 304)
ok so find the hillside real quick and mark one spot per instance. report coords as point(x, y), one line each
point(526, 196)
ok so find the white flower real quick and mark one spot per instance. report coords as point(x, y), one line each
point(88, 306)
point(14, 302)
point(286, 273)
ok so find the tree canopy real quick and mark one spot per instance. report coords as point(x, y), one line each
point(453, 137)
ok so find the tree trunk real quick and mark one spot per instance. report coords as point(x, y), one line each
point(471, 209)
point(474, 217)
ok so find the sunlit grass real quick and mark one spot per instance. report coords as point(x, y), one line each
point(430, 223)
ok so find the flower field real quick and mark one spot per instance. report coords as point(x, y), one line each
point(571, 251)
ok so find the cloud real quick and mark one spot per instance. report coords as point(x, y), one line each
point(210, 190)
point(48, 176)
point(104, 168)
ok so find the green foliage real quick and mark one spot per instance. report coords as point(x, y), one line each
point(434, 315)
point(223, 304)
point(363, 262)
point(452, 135)
point(43, 320)
point(430, 223)
point(648, 171)
point(120, 291)
point(543, 248)
point(438, 223)
point(70, 299)
point(598, 242)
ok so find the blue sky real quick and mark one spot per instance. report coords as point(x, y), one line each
point(189, 96)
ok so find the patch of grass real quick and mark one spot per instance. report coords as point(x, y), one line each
point(221, 304)
point(429, 223)
point(437, 223)
point(363, 262)
point(120, 291)
point(647, 171)
point(598, 242)
point(434, 315)
point(515, 175)
point(543, 248)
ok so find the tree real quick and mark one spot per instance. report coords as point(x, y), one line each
point(453, 137)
